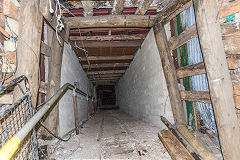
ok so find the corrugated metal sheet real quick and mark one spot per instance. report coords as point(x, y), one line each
point(199, 82)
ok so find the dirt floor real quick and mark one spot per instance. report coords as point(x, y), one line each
point(111, 134)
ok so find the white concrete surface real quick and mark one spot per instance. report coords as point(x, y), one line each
point(71, 72)
point(142, 91)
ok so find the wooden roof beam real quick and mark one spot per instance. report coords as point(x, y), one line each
point(106, 58)
point(114, 21)
point(105, 75)
point(99, 44)
point(106, 65)
point(108, 38)
point(106, 72)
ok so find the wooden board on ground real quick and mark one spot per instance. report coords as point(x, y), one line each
point(174, 147)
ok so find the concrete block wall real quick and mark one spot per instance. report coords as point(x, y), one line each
point(71, 72)
point(142, 91)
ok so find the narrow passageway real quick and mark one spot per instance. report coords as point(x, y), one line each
point(112, 134)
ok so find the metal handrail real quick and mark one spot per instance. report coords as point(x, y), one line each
point(12, 145)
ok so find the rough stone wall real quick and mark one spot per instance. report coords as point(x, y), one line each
point(142, 91)
point(72, 72)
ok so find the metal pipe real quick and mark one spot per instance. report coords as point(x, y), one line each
point(12, 145)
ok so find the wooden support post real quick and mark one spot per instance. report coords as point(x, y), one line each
point(75, 112)
point(54, 77)
point(169, 72)
point(220, 84)
point(28, 47)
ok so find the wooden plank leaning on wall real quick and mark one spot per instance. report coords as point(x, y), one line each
point(221, 91)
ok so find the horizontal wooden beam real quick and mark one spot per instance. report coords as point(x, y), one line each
point(108, 37)
point(105, 75)
point(122, 21)
point(105, 78)
point(99, 44)
point(184, 37)
point(175, 6)
point(106, 72)
point(106, 65)
point(181, 9)
point(191, 70)
point(106, 58)
point(196, 96)
point(106, 29)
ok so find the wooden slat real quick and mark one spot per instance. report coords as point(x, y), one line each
point(229, 9)
point(176, 5)
point(6, 99)
point(174, 147)
point(184, 37)
point(11, 57)
point(196, 96)
point(106, 58)
point(107, 65)
point(99, 44)
point(104, 78)
point(191, 70)
point(108, 38)
point(10, 9)
point(105, 72)
point(1, 6)
point(181, 9)
point(116, 21)
point(220, 83)
point(237, 101)
point(118, 6)
point(143, 6)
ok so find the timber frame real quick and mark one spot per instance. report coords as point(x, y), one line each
point(105, 41)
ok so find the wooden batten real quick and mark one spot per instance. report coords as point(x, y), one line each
point(220, 84)
point(6, 99)
point(169, 72)
point(143, 6)
point(233, 61)
point(196, 96)
point(184, 37)
point(45, 49)
point(191, 70)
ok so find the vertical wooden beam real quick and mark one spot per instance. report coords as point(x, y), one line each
point(28, 48)
point(118, 6)
point(54, 77)
point(88, 8)
point(218, 76)
point(169, 72)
